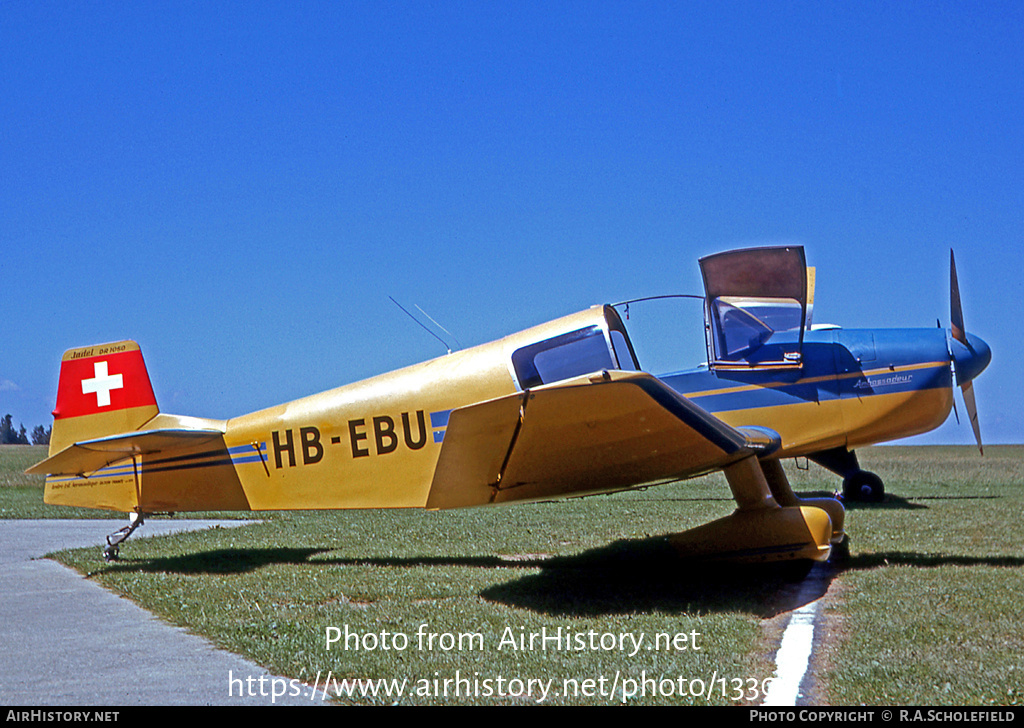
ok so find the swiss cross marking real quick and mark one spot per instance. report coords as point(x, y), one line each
point(102, 383)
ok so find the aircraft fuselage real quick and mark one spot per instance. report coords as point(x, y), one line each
point(855, 387)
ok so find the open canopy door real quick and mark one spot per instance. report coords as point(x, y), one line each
point(756, 305)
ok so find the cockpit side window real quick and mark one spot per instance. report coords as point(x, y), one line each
point(562, 357)
point(586, 350)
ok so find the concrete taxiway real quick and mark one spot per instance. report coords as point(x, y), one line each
point(67, 641)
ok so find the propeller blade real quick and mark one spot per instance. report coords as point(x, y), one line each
point(956, 313)
point(972, 412)
point(964, 366)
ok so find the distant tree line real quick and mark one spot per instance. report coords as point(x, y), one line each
point(11, 436)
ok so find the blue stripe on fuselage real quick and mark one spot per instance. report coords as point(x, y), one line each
point(836, 364)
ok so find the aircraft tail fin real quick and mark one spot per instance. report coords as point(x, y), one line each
point(107, 430)
point(103, 390)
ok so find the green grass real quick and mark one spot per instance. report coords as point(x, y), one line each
point(14, 459)
point(21, 495)
point(926, 612)
point(930, 604)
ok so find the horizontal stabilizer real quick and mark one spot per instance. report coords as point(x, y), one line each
point(88, 456)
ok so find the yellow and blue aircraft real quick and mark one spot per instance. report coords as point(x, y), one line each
point(559, 410)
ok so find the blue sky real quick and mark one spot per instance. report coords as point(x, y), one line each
point(240, 186)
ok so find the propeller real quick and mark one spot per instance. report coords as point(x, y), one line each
point(970, 357)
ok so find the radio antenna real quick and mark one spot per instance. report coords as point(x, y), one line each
point(440, 327)
point(423, 326)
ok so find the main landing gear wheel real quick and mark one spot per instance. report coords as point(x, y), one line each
point(864, 486)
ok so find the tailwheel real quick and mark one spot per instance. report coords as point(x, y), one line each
point(864, 486)
point(114, 540)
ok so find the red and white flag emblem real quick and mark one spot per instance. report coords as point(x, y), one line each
point(102, 383)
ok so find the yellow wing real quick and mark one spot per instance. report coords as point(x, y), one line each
point(594, 434)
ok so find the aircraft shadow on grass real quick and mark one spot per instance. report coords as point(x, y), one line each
point(890, 503)
point(643, 575)
point(241, 561)
point(887, 559)
point(217, 561)
point(624, 577)
point(896, 503)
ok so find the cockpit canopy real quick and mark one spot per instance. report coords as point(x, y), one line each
point(756, 306)
point(757, 309)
